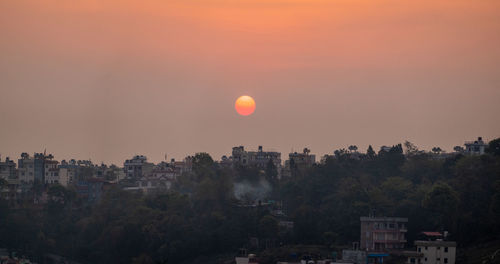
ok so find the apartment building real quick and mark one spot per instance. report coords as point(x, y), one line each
point(383, 233)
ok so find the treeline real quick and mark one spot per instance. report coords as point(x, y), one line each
point(201, 216)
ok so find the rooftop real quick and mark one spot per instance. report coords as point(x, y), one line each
point(436, 243)
point(385, 219)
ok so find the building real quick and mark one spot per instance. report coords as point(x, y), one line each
point(381, 234)
point(31, 169)
point(150, 185)
point(260, 158)
point(436, 252)
point(90, 190)
point(298, 161)
point(51, 172)
point(8, 170)
point(137, 167)
point(304, 159)
point(476, 147)
point(68, 172)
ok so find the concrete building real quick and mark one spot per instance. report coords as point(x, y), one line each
point(436, 252)
point(8, 170)
point(137, 167)
point(31, 169)
point(51, 172)
point(260, 158)
point(476, 147)
point(304, 159)
point(67, 176)
point(381, 234)
point(150, 185)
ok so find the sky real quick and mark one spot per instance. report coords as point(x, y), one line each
point(107, 79)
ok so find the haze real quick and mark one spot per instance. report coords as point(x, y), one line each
point(109, 79)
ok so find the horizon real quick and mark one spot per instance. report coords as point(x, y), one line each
point(284, 154)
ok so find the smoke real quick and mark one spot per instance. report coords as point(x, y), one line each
point(251, 192)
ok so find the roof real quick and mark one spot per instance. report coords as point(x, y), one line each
point(386, 219)
point(432, 234)
point(436, 243)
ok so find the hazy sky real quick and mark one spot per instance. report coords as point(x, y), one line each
point(107, 79)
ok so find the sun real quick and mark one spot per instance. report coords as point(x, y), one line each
point(244, 105)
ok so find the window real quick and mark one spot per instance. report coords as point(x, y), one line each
point(445, 260)
point(412, 260)
point(425, 259)
point(425, 248)
point(419, 249)
point(438, 259)
point(446, 249)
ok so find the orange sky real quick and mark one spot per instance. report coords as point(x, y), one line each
point(107, 79)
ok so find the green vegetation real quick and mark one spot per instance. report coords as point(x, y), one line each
point(200, 216)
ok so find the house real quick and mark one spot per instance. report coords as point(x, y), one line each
point(260, 158)
point(380, 234)
point(437, 251)
point(476, 147)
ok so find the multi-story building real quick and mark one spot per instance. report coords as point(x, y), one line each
point(304, 159)
point(8, 170)
point(68, 172)
point(137, 167)
point(476, 147)
point(436, 252)
point(258, 158)
point(383, 233)
point(51, 172)
point(298, 161)
point(163, 170)
point(31, 169)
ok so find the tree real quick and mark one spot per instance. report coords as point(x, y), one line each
point(268, 227)
point(494, 147)
point(370, 152)
point(410, 148)
point(353, 148)
point(271, 172)
point(442, 200)
point(437, 150)
point(203, 166)
point(458, 149)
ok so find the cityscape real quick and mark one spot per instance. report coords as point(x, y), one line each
point(40, 181)
point(249, 132)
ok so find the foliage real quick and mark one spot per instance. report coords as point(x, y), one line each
point(200, 216)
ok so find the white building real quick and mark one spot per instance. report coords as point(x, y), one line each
point(51, 172)
point(476, 147)
point(437, 252)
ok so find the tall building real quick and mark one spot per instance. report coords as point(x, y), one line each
point(304, 159)
point(258, 158)
point(476, 147)
point(51, 171)
point(31, 169)
point(298, 161)
point(137, 167)
point(383, 233)
point(8, 170)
